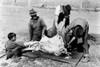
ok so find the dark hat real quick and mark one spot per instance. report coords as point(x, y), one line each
point(32, 11)
point(66, 9)
point(78, 31)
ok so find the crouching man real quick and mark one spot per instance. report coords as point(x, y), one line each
point(78, 37)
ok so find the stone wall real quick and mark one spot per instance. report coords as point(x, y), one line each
point(7, 2)
point(52, 3)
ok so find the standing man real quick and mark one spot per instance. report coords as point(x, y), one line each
point(36, 26)
point(65, 11)
point(62, 15)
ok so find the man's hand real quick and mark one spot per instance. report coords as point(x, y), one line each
point(68, 46)
point(58, 32)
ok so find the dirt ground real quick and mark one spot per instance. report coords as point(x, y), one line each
point(16, 19)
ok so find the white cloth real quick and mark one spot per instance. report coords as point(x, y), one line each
point(60, 26)
point(30, 43)
point(58, 10)
point(33, 45)
point(53, 45)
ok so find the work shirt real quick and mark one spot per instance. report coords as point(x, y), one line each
point(10, 45)
point(36, 27)
point(76, 22)
point(13, 49)
point(81, 22)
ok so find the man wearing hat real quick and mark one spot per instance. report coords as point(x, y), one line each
point(80, 29)
point(36, 26)
point(62, 15)
point(65, 11)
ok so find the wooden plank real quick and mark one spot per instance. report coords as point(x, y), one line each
point(75, 57)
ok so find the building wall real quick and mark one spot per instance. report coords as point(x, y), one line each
point(53, 3)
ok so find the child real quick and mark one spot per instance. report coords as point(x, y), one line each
point(13, 49)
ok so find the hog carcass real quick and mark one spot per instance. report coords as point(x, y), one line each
point(54, 45)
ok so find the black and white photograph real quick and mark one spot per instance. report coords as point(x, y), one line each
point(49, 33)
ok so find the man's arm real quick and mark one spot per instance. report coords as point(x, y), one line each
point(44, 26)
point(73, 38)
point(67, 29)
point(30, 31)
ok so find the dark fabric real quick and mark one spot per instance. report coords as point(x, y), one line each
point(9, 54)
point(32, 55)
point(10, 45)
point(85, 43)
point(67, 21)
point(14, 53)
point(66, 9)
point(78, 31)
point(81, 47)
point(36, 37)
point(73, 45)
point(13, 49)
point(60, 17)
